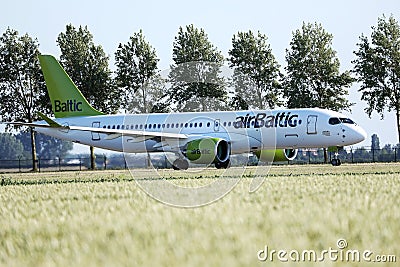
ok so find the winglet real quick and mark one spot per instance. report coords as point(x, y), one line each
point(66, 99)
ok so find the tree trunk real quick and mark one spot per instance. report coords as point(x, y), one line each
point(92, 159)
point(33, 150)
point(325, 155)
point(398, 123)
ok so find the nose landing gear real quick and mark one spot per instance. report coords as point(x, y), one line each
point(335, 161)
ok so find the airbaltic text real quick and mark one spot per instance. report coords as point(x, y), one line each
point(69, 105)
point(262, 120)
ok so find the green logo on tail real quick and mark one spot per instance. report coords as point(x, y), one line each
point(66, 98)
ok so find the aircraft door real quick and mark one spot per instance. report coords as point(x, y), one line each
point(312, 124)
point(95, 136)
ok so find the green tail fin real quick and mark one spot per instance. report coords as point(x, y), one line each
point(66, 99)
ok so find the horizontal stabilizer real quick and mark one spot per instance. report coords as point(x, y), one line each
point(51, 122)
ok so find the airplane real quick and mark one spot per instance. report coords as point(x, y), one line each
point(198, 137)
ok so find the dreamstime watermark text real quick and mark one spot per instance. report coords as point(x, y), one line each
point(340, 253)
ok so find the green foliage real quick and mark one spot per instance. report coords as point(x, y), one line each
point(22, 87)
point(256, 81)
point(87, 65)
point(378, 68)
point(136, 63)
point(196, 84)
point(313, 78)
point(47, 147)
point(10, 147)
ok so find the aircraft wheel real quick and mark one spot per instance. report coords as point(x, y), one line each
point(180, 164)
point(336, 162)
point(223, 165)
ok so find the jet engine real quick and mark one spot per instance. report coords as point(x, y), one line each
point(274, 155)
point(208, 151)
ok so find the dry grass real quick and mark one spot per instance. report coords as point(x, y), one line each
point(104, 219)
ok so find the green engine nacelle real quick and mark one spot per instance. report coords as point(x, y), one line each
point(208, 151)
point(273, 155)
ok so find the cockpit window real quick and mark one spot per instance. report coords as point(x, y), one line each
point(334, 121)
point(347, 120)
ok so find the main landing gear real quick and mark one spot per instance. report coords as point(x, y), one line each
point(183, 164)
point(180, 164)
point(223, 165)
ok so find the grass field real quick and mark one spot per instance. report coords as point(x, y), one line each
point(105, 219)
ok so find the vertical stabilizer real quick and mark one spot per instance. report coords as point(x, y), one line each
point(66, 99)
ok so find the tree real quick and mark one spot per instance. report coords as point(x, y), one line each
point(252, 56)
point(87, 65)
point(195, 79)
point(378, 68)
point(22, 87)
point(48, 147)
point(136, 63)
point(137, 74)
point(10, 147)
point(313, 78)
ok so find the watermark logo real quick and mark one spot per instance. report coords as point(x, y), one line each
point(340, 253)
point(206, 138)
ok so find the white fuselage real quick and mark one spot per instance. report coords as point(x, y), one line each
point(246, 131)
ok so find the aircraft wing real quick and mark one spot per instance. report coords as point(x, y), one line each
point(112, 133)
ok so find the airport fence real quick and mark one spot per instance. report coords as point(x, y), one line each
point(350, 155)
point(57, 164)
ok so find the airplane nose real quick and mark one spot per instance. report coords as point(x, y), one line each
point(360, 135)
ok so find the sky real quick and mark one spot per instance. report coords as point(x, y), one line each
point(113, 22)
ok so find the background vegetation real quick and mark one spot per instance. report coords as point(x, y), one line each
point(311, 77)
